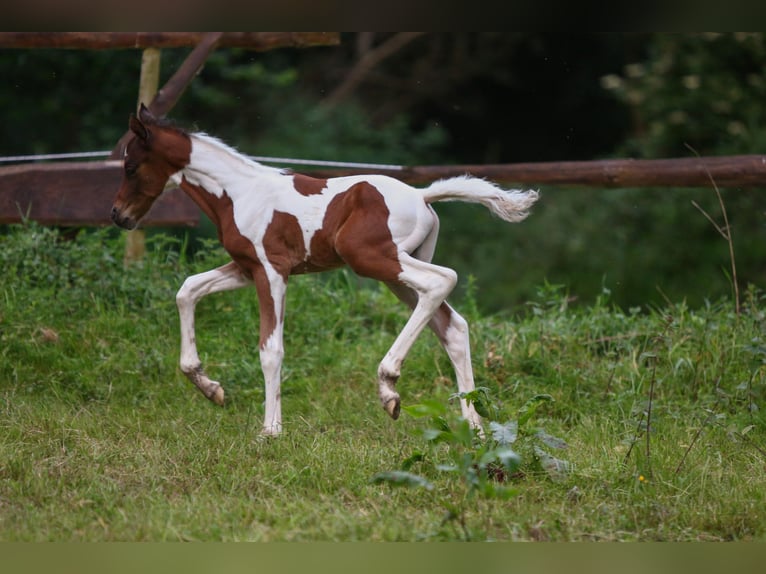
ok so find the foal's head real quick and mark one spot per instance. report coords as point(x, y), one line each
point(156, 151)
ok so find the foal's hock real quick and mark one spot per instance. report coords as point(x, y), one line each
point(275, 224)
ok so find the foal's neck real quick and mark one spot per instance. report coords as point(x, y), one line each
point(217, 167)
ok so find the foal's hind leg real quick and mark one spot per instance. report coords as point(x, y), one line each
point(194, 288)
point(452, 331)
point(449, 327)
point(369, 248)
point(432, 284)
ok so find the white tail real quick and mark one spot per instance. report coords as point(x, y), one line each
point(508, 204)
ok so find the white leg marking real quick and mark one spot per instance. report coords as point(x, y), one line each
point(457, 344)
point(432, 285)
point(194, 288)
point(452, 331)
point(272, 352)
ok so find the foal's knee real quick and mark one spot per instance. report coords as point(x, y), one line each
point(271, 360)
point(450, 276)
point(446, 283)
point(183, 296)
point(456, 335)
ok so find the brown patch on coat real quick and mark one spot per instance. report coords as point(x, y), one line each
point(220, 210)
point(283, 243)
point(306, 185)
point(355, 231)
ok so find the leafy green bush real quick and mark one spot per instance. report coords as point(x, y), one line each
point(482, 466)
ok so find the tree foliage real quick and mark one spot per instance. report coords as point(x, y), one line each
point(468, 98)
point(702, 90)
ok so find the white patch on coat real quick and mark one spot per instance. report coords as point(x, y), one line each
point(217, 168)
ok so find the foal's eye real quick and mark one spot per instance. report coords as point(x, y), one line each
point(130, 169)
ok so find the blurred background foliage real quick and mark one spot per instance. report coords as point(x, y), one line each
point(443, 98)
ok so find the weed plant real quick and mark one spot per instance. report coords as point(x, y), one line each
point(103, 439)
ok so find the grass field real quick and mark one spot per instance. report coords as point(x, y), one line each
point(103, 439)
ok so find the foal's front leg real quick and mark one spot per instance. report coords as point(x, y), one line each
point(271, 287)
point(224, 278)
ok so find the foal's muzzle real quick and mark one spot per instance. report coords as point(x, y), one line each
point(123, 221)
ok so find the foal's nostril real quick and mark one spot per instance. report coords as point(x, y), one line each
point(122, 220)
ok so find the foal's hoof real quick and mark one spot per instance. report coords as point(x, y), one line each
point(217, 395)
point(271, 431)
point(392, 407)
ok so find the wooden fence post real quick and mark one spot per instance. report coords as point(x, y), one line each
point(147, 89)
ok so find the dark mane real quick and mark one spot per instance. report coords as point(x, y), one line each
point(165, 122)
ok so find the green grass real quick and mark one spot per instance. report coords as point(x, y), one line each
point(102, 438)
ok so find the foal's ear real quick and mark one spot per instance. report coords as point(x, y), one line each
point(138, 125)
point(138, 128)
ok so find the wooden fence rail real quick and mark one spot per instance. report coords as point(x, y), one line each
point(257, 41)
point(742, 171)
point(81, 193)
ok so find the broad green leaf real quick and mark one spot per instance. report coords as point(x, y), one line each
point(438, 435)
point(509, 458)
point(550, 440)
point(487, 457)
point(505, 434)
point(441, 423)
point(478, 392)
point(557, 469)
point(428, 408)
point(482, 407)
point(402, 478)
point(480, 400)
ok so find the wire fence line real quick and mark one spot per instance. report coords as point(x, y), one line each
point(49, 156)
point(264, 159)
point(739, 171)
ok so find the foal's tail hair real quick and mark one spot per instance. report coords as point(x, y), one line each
point(509, 204)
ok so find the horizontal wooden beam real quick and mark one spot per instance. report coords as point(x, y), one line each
point(79, 194)
point(257, 41)
point(726, 171)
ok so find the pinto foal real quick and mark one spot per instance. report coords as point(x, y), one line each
point(275, 224)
